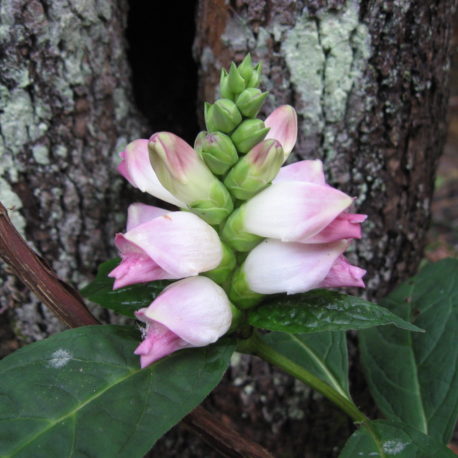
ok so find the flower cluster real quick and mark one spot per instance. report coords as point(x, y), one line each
point(250, 226)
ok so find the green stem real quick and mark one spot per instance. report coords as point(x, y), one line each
point(256, 346)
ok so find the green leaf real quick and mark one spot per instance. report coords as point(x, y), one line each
point(413, 377)
point(124, 300)
point(322, 310)
point(393, 439)
point(82, 393)
point(324, 354)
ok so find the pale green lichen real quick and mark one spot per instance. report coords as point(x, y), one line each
point(326, 55)
point(41, 154)
point(16, 118)
point(305, 60)
point(121, 104)
point(238, 35)
point(13, 204)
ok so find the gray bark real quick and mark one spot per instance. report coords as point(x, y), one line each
point(66, 109)
point(369, 79)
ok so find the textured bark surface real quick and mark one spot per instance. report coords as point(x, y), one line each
point(369, 79)
point(65, 110)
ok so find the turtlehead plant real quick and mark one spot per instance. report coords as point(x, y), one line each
point(245, 252)
point(248, 221)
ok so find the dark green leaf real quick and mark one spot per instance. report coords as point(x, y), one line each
point(82, 393)
point(393, 439)
point(124, 300)
point(324, 354)
point(322, 310)
point(413, 377)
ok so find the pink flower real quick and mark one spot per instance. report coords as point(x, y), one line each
point(343, 274)
point(283, 127)
point(182, 171)
point(193, 312)
point(136, 168)
point(345, 225)
point(278, 267)
point(293, 211)
point(306, 171)
point(164, 245)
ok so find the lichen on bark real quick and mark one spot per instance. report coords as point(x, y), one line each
point(66, 109)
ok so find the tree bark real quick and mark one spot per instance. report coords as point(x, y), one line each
point(66, 108)
point(369, 80)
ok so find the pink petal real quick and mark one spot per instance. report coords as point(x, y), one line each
point(158, 342)
point(139, 213)
point(196, 309)
point(283, 127)
point(342, 274)
point(293, 211)
point(277, 267)
point(123, 169)
point(137, 169)
point(136, 268)
point(181, 243)
point(308, 171)
point(345, 226)
point(178, 155)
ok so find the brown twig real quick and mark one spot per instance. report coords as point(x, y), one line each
point(68, 305)
point(230, 443)
point(61, 298)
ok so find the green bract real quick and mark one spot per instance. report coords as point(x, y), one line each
point(217, 150)
point(248, 134)
point(250, 101)
point(223, 115)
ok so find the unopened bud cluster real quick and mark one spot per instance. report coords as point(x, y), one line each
point(247, 226)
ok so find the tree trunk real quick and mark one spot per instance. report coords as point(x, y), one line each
point(66, 108)
point(369, 79)
point(371, 103)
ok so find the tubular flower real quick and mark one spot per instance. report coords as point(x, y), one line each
point(283, 127)
point(287, 233)
point(345, 225)
point(292, 211)
point(164, 245)
point(182, 172)
point(278, 267)
point(136, 168)
point(193, 312)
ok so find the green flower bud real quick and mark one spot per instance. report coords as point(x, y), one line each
point(235, 235)
point(217, 150)
point(221, 273)
point(256, 170)
point(250, 101)
point(224, 88)
point(255, 78)
point(249, 133)
point(241, 294)
point(236, 82)
point(183, 173)
point(246, 68)
point(223, 115)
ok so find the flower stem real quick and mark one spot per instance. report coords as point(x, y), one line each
point(256, 346)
